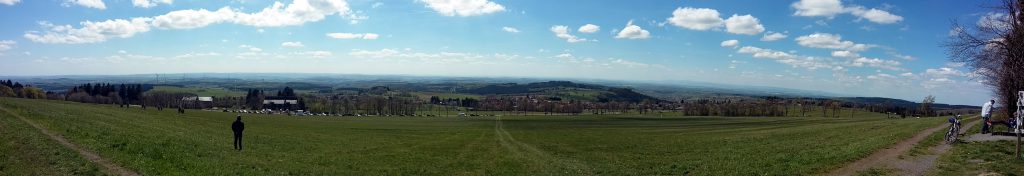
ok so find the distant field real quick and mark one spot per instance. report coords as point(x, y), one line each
point(205, 92)
point(199, 143)
point(427, 95)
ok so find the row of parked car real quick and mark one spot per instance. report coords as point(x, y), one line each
point(307, 113)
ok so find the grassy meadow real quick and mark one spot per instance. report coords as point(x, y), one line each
point(26, 151)
point(155, 142)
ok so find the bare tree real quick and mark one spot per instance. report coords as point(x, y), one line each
point(926, 105)
point(994, 51)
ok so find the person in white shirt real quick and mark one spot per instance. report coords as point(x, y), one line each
point(986, 113)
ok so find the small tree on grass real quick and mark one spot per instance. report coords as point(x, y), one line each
point(926, 105)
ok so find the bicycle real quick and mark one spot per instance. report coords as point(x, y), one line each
point(954, 130)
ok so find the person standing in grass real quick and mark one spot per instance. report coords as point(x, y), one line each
point(237, 127)
point(986, 113)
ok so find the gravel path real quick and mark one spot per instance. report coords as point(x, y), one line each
point(890, 157)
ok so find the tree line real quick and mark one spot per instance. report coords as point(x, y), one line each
point(106, 93)
point(15, 89)
point(382, 101)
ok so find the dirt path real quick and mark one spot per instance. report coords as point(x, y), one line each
point(920, 164)
point(110, 168)
point(989, 137)
point(890, 156)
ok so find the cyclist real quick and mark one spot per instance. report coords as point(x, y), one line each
point(955, 119)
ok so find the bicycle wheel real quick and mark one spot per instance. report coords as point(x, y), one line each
point(955, 133)
point(950, 136)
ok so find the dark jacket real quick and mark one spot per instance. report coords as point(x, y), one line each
point(238, 126)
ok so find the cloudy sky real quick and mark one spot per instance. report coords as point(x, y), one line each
point(853, 47)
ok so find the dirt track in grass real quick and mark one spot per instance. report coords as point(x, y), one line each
point(109, 167)
point(890, 157)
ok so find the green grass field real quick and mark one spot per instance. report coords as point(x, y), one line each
point(199, 143)
point(26, 151)
point(427, 95)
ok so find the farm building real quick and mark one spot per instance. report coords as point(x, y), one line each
point(197, 102)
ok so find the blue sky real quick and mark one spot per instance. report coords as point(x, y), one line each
point(855, 47)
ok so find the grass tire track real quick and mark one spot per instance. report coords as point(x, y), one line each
point(110, 167)
point(536, 155)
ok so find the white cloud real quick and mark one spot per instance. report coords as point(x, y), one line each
point(773, 36)
point(944, 77)
point(296, 13)
point(904, 57)
point(510, 29)
point(189, 19)
point(195, 55)
point(463, 7)
point(9, 2)
point(629, 63)
point(765, 53)
point(150, 3)
point(831, 8)
point(316, 54)
point(881, 76)
point(562, 32)
point(796, 61)
point(844, 53)
point(876, 63)
point(366, 36)
point(6, 45)
point(632, 31)
point(830, 41)
point(370, 36)
point(703, 19)
point(944, 72)
point(383, 53)
point(250, 48)
point(564, 56)
point(743, 24)
point(292, 45)
point(76, 59)
point(994, 21)
point(730, 43)
point(589, 28)
point(875, 15)
point(97, 4)
point(937, 82)
point(90, 32)
point(812, 8)
point(955, 64)
point(700, 19)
